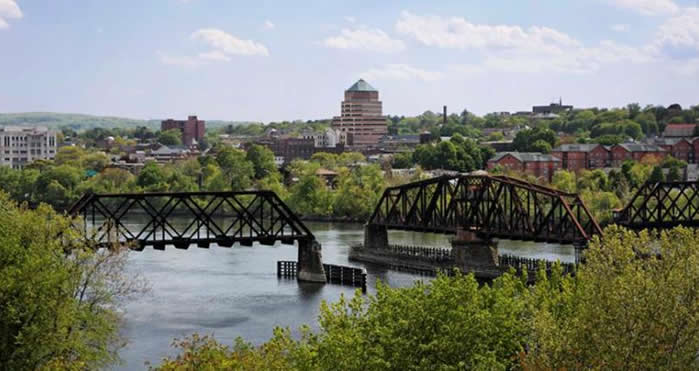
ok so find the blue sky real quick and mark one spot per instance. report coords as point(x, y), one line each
point(274, 60)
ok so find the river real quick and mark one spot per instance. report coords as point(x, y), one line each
point(231, 292)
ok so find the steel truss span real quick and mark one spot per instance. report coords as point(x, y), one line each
point(183, 219)
point(492, 206)
point(662, 205)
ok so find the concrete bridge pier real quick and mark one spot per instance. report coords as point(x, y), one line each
point(310, 262)
point(375, 236)
point(472, 253)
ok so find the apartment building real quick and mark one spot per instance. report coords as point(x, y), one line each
point(20, 145)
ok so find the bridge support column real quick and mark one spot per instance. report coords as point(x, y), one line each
point(375, 236)
point(472, 253)
point(310, 263)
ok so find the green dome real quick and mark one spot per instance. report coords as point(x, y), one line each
point(361, 85)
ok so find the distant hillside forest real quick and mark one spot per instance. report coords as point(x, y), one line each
point(80, 122)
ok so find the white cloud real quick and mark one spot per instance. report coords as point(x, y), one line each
point(350, 19)
point(229, 44)
point(223, 47)
point(181, 61)
point(648, 7)
point(268, 25)
point(621, 27)
point(680, 31)
point(9, 10)
point(456, 32)
point(215, 55)
point(515, 49)
point(401, 72)
point(364, 38)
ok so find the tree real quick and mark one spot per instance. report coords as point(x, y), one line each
point(56, 185)
point(564, 180)
point(70, 155)
point(541, 146)
point(633, 305)
point(358, 191)
point(525, 139)
point(60, 307)
point(152, 178)
point(403, 160)
point(262, 160)
point(657, 175)
point(674, 174)
point(171, 137)
point(235, 168)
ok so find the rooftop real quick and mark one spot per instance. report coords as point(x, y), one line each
point(361, 85)
point(637, 147)
point(526, 157)
point(587, 147)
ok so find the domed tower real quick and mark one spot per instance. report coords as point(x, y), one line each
point(361, 120)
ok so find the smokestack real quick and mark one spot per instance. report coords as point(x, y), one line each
point(444, 115)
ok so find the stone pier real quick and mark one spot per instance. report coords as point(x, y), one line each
point(473, 254)
point(310, 262)
point(375, 236)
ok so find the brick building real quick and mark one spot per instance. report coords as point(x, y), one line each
point(575, 157)
point(680, 148)
point(361, 116)
point(534, 163)
point(192, 129)
point(634, 151)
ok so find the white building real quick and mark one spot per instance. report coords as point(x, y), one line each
point(329, 138)
point(21, 145)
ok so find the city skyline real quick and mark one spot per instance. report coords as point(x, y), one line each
point(269, 61)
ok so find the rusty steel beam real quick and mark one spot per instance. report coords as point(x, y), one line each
point(493, 206)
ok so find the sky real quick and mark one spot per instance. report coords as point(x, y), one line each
point(286, 60)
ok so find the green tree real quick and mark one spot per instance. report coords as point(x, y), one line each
point(152, 178)
point(674, 174)
point(236, 170)
point(358, 191)
point(403, 160)
point(60, 308)
point(541, 146)
point(525, 139)
point(633, 305)
point(56, 185)
point(657, 175)
point(172, 137)
point(262, 160)
point(564, 180)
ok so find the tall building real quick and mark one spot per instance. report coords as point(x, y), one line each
point(20, 146)
point(193, 129)
point(361, 119)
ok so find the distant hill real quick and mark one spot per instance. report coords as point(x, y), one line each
point(78, 121)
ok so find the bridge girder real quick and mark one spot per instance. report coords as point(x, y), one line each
point(660, 206)
point(223, 218)
point(492, 206)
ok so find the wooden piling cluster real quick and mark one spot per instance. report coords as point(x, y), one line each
point(435, 254)
point(339, 274)
point(531, 265)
